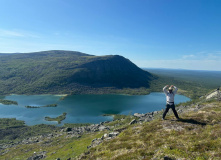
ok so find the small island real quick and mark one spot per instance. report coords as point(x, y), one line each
point(32, 107)
point(8, 102)
point(49, 105)
point(58, 119)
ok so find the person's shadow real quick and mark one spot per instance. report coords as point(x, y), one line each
point(192, 121)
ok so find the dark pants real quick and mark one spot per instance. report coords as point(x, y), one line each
point(167, 109)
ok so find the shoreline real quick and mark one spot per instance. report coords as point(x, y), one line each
point(111, 115)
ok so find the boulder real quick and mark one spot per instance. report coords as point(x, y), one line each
point(67, 129)
point(106, 135)
point(139, 115)
point(133, 122)
point(113, 134)
point(101, 128)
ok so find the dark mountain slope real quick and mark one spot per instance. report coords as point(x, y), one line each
point(66, 72)
point(111, 71)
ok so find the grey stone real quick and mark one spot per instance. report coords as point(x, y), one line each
point(101, 128)
point(133, 122)
point(138, 115)
point(106, 135)
point(113, 134)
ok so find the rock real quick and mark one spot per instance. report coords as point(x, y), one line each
point(147, 119)
point(101, 128)
point(155, 112)
point(120, 129)
point(138, 115)
point(67, 129)
point(94, 139)
point(113, 134)
point(106, 135)
point(167, 158)
point(214, 121)
point(133, 122)
point(38, 156)
point(95, 142)
point(108, 138)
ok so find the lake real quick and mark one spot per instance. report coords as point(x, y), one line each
point(82, 108)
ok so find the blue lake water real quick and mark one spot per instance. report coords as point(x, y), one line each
point(82, 108)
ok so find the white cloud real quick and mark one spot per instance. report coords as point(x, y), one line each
point(7, 33)
point(17, 34)
point(214, 55)
point(188, 56)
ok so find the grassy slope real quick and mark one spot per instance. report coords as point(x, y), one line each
point(197, 136)
point(60, 147)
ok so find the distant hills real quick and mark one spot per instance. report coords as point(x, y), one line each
point(68, 72)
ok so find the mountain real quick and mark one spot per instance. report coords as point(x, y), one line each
point(60, 71)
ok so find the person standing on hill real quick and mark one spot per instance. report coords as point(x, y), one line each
point(170, 100)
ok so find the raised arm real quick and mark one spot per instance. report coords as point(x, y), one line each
point(165, 89)
point(175, 89)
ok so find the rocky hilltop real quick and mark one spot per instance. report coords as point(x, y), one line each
point(68, 72)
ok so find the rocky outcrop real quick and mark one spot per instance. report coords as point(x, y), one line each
point(146, 117)
point(38, 156)
point(68, 132)
point(105, 137)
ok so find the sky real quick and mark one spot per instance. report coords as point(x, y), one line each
point(177, 34)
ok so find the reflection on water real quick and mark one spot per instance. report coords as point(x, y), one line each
point(82, 108)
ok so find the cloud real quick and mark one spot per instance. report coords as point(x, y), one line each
point(213, 55)
point(17, 34)
point(188, 56)
point(10, 33)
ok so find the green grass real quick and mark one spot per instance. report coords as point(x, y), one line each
point(60, 147)
point(198, 138)
point(6, 123)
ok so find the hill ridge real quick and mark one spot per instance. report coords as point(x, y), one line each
point(68, 72)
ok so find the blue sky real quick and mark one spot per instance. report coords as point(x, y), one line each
point(151, 33)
